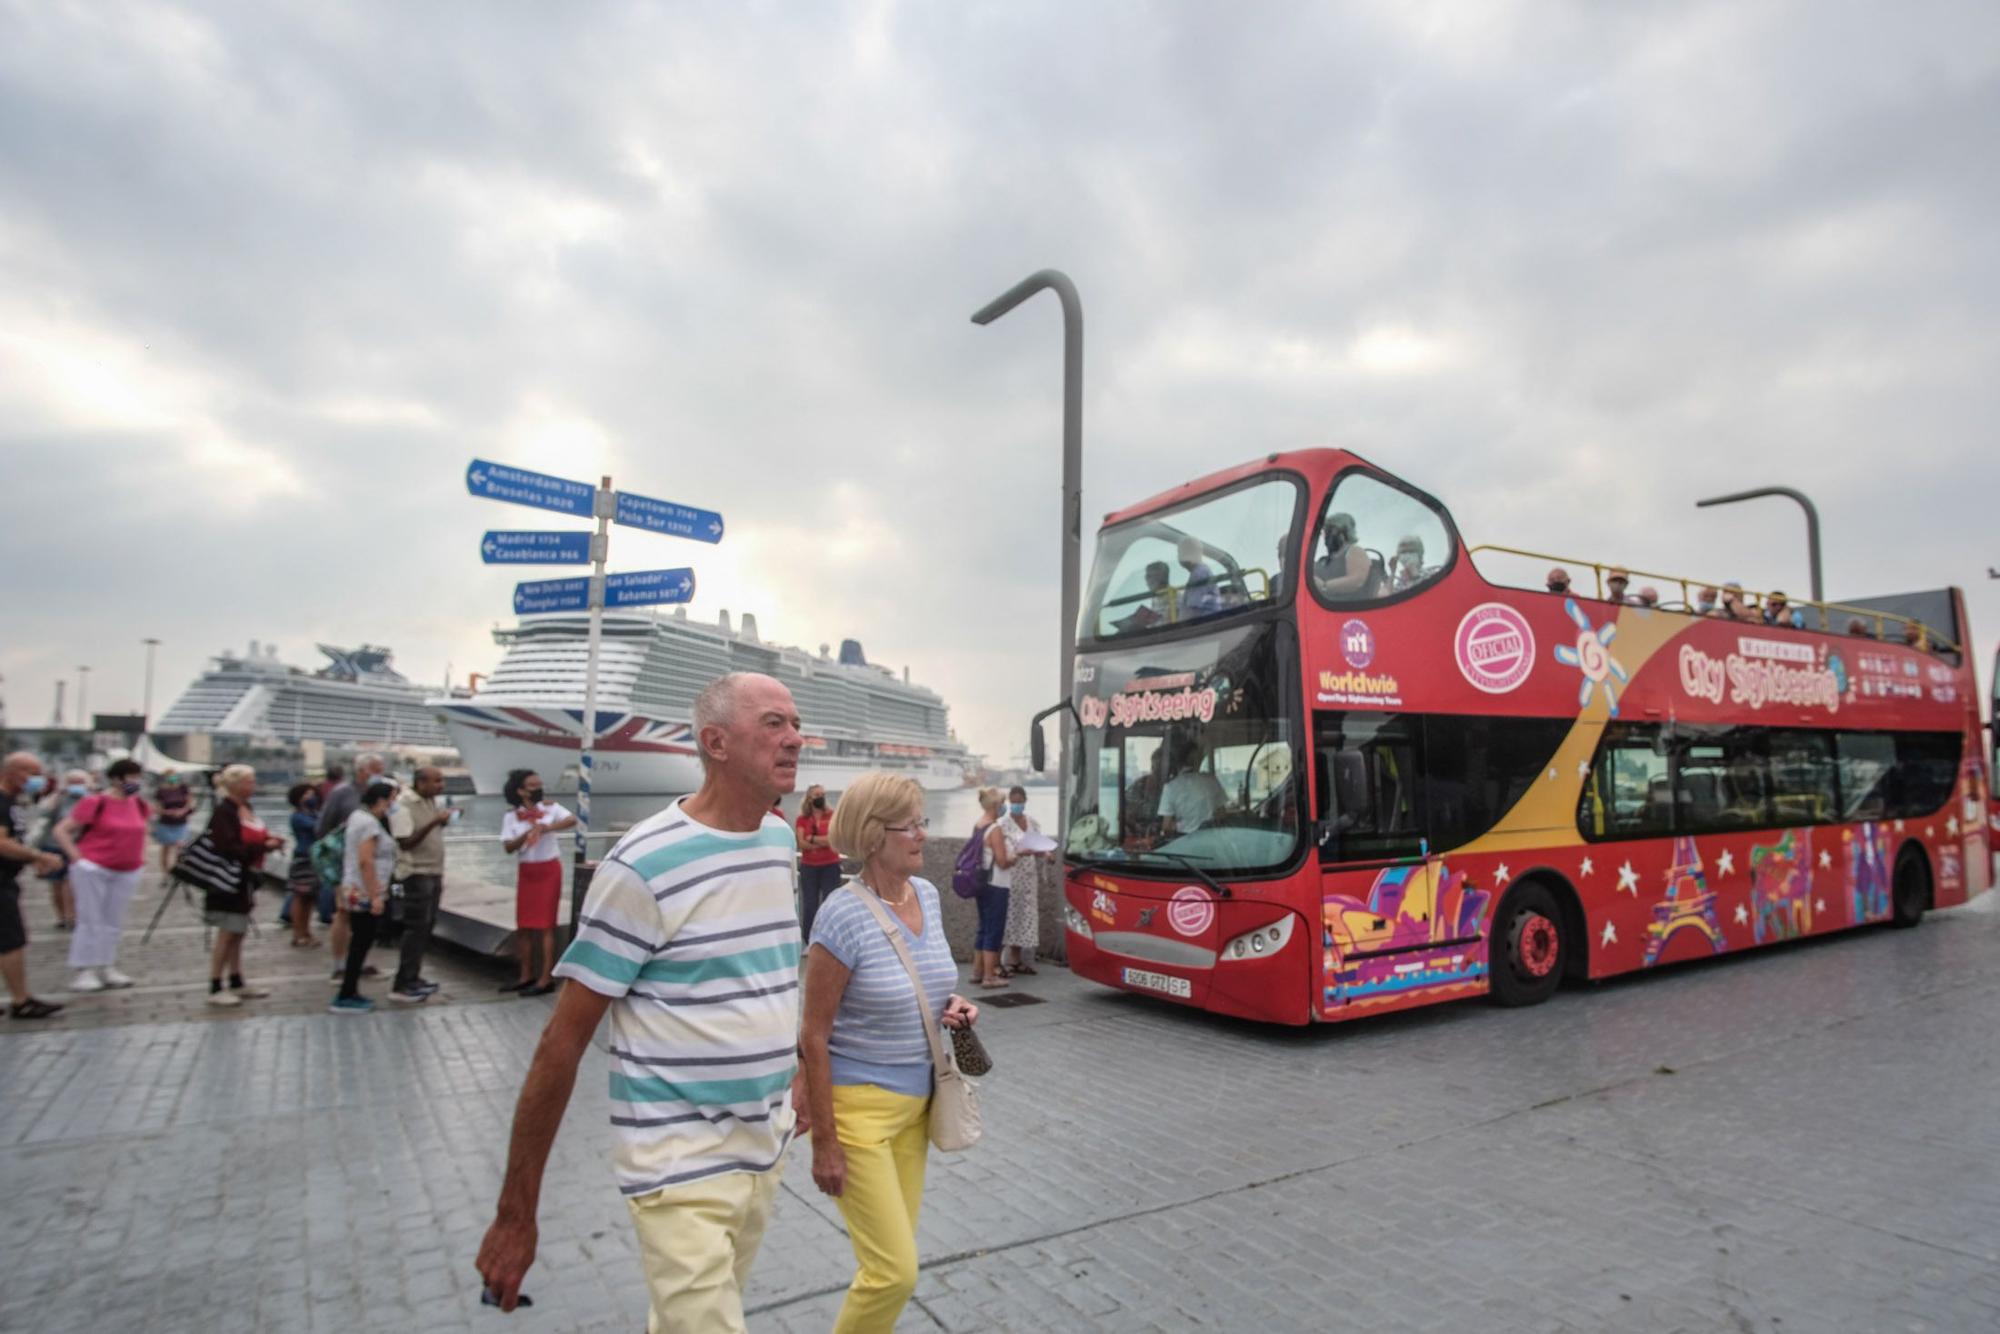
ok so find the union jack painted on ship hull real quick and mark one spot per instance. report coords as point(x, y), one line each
point(561, 728)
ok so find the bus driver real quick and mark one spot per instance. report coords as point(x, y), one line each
point(1192, 798)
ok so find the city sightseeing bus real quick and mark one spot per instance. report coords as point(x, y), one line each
point(1323, 768)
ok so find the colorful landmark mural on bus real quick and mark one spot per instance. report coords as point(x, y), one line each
point(1421, 926)
point(1781, 890)
point(1688, 908)
point(1867, 873)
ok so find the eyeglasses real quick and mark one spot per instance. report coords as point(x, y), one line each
point(913, 827)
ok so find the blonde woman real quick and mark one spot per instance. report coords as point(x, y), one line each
point(240, 836)
point(864, 1054)
point(993, 895)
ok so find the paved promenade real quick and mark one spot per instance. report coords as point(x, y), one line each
point(1808, 1140)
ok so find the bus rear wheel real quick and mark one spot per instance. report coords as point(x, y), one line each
point(1524, 956)
point(1910, 891)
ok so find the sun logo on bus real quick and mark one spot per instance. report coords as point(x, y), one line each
point(1592, 657)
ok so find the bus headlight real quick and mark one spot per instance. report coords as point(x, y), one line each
point(1264, 940)
point(1074, 920)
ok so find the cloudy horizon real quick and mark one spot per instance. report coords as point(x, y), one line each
point(271, 274)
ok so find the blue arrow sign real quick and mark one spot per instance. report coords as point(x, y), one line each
point(498, 548)
point(663, 516)
point(642, 587)
point(551, 595)
point(497, 481)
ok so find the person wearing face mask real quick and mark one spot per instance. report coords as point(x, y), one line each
point(1023, 933)
point(819, 864)
point(173, 802)
point(1705, 603)
point(529, 832)
point(1408, 570)
point(62, 897)
point(300, 878)
point(21, 782)
point(1344, 571)
point(104, 837)
point(1201, 597)
point(1558, 580)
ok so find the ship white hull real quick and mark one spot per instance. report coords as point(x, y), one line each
point(636, 755)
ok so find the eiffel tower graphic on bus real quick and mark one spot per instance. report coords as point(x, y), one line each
point(1688, 906)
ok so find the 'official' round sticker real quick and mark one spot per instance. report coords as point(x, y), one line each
point(1191, 911)
point(1495, 647)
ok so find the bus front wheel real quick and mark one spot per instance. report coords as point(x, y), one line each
point(1910, 891)
point(1525, 951)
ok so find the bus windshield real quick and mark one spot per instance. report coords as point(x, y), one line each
point(1215, 555)
point(1189, 753)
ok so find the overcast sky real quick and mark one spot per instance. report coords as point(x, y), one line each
point(271, 273)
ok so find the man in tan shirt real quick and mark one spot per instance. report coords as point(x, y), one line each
point(417, 823)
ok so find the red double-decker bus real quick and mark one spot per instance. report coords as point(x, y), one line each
point(1324, 768)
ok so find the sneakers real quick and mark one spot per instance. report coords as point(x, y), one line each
point(251, 991)
point(227, 1000)
point(351, 1005)
point(414, 996)
point(114, 979)
point(86, 979)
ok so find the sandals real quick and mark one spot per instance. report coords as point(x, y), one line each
point(1022, 969)
point(990, 983)
point(34, 1009)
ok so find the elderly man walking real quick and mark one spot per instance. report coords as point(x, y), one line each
point(417, 826)
point(340, 802)
point(690, 938)
point(21, 782)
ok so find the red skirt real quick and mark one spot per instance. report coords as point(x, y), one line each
point(537, 886)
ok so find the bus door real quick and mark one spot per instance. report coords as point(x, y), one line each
point(1382, 888)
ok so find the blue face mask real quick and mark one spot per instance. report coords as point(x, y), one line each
point(1017, 807)
point(35, 785)
point(77, 790)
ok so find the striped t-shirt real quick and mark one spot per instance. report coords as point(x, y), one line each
point(694, 934)
point(878, 1033)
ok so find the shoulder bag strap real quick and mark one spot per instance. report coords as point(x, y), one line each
point(940, 1061)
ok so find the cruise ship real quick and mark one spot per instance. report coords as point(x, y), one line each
point(529, 712)
point(358, 699)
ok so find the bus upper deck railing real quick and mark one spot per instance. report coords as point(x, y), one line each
point(1926, 638)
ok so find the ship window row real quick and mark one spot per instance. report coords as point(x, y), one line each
point(1651, 779)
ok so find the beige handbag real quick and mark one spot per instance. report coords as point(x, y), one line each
point(955, 1122)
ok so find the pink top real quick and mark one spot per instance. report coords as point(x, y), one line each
point(116, 834)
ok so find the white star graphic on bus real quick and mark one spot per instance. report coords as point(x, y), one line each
point(1899, 826)
point(1825, 860)
point(1742, 918)
point(1930, 831)
point(1628, 880)
point(1950, 825)
point(1552, 768)
point(1582, 768)
point(1726, 865)
point(1819, 905)
point(1610, 934)
point(1499, 875)
point(1587, 868)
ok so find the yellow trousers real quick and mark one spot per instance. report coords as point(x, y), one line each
point(886, 1139)
point(697, 1242)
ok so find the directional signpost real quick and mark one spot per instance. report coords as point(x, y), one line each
point(498, 548)
point(497, 481)
point(644, 587)
point(663, 516)
point(640, 588)
point(544, 595)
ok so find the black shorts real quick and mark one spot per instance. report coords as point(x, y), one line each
point(13, 931)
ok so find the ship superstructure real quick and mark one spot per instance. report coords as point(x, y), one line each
point(358, 698)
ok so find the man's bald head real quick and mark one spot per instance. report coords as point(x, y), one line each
point(17, 769)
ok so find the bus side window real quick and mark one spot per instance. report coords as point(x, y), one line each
point(1369, 803)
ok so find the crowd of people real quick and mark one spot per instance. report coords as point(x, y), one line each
point(1730, 603)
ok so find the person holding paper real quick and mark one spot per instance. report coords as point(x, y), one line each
point(1024, 892)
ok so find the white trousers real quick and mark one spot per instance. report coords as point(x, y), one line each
point(102, 896)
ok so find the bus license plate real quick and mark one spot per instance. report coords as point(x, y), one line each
point(1160, 982)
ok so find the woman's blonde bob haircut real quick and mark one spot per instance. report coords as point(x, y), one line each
point(867, 808)
point(990, 799)
point(232, 775)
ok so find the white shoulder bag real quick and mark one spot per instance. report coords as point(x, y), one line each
point(955, 1122)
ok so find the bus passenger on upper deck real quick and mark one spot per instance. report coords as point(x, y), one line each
point(1343, 572)
point(1647, 596)
point(1558, 580)
point(1192, 798)
point(1857, 626)
point(1732, 603)
point(1408, 570)
point(1615, 582)
point(1201, 597)
point(1913, 634)
point(1704, 604)
point(1776, 612)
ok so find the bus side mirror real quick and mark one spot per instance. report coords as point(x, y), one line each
point(1038, 753)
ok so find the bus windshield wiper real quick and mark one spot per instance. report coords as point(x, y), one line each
point(1182, 859)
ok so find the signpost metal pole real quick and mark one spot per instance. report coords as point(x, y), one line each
point(600, 545)
point(1072, 468)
